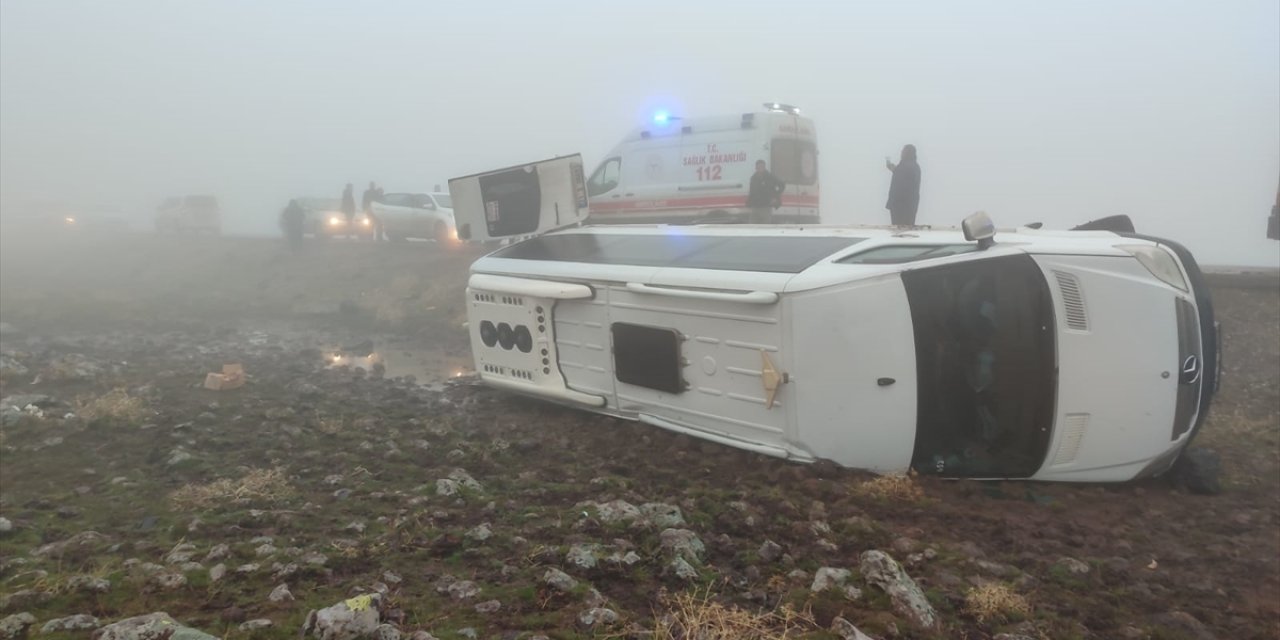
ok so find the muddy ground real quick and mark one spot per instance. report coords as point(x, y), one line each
point(338, 481)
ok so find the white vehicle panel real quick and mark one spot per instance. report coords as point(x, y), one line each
point(1117, 377)
point(845, 340)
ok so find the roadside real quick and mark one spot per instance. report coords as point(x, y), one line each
point(464, 506)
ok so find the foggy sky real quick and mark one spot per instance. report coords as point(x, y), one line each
point(1053, 112)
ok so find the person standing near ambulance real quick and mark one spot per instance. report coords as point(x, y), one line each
point(764, 195)
point(349, 204)
point(904, 189)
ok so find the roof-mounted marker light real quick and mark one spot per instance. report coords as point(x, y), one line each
point(783, 108)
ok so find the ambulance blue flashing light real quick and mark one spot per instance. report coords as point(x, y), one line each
point(662, 118)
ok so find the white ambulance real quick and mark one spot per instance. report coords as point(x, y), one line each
point(678, 170)
point(1087, 355)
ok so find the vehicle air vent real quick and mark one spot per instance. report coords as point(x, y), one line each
point(1073, 428)
point(1072, 301)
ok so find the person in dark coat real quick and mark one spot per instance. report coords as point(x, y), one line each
point(764, 194)
point(349, 203)
point(293, 219)
point(904, 189)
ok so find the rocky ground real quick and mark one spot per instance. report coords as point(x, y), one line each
point(340, 502)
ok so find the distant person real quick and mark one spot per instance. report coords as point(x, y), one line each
point(370, 196)
point(349, 203)
point(904, 189)
point(293, 219)
point(765, 194)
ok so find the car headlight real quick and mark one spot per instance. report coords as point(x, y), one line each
point(334, 221)
point(69, 220)
point(1158, 262)
point(365, 221)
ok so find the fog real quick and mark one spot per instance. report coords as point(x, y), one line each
point(1060, 113)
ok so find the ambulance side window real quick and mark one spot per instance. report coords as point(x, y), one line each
point(794, 161)
point(605, 178)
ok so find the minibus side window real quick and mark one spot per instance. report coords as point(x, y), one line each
point(605, 178)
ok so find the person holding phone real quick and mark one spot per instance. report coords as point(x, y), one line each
point(904, 189)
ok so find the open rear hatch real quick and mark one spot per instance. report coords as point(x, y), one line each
point(523, 200)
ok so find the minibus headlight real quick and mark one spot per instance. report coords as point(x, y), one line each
point(1159, 262)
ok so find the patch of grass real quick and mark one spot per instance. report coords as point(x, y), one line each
point(995, 602)
point(258, 485)
point(693, 614)
point(895, 488)
point(116, 405)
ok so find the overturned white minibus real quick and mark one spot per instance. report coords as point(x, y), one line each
point(1082, 355)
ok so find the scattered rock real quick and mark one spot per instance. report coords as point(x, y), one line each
point(847, 631)
point(559, 580)
point(682, 542)
point(79, 622)
point(465, 480)
point(769, 551)
point(446, 487)
point(583, 555)
point(488, 606)
point(217, 553)
point(265, 550)
point(178, 456)
point(662, 515)
point(255, 624)
point(169, 581)
point(1073, 566)
point(615, 511)
point(463, 589)
point(421, 635)
point(5, 525)
point(352, 619)
point(82, 541)
point(480, 533)
point(15, 626)
point(829, 578)
point(152, 626)
point(597, 617)
point(881, 570)
point(391, 577)
point(217, 572)
point(281, 593)
point(683, 570)
point(88, 583)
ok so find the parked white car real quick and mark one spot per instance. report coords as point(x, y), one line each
point(1087, 355)
point(416, 215)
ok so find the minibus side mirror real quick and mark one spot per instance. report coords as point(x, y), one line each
point(979, 227)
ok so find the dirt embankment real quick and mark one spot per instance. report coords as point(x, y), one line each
point(465, 505)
